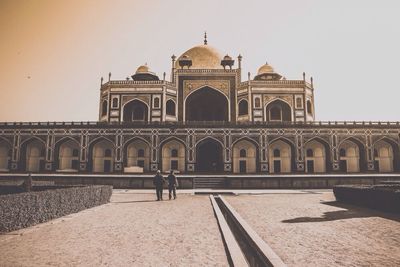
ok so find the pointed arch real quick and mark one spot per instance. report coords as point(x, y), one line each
point(33, 154)
point(135, 110)
point(65, 139)
point(206, 104)
point(320, 160)
point(104, 107)
point(170, 107)
point(172, 162)
point(101, 155)
point(6, 140)
point(284, 161)
point(136, 153)
point(278, 110)
point(285, 139)
point(388, 157)
point(100, 138)
point(354, 159)
point(33, 138)
point(246, 162)
point(5, 155)
point(209, 137)
point(251, 140)
point(209, 155)
point(67, 154)
point(172, 138)
point(243, 107)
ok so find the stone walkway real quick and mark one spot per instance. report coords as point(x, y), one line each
point(314, 230)
point(304, 227)
point(133, 230)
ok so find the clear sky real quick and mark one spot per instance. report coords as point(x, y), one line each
point(53, 53)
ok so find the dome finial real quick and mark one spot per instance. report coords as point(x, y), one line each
point(205, 37)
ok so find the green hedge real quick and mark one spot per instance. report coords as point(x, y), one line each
point(26, 209)
point(385, 197)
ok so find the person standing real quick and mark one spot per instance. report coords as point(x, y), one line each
point(159, 181)
point(172, 184)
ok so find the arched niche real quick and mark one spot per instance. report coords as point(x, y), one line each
point(67, 153)
point(101, 156)
point(281, 156)
point(244, 157)
point(135, 110)
point(137, 153)
point(173, 155)
point(278, 111)
point(206, 104)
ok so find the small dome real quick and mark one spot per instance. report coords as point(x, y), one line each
point(264, 69)
point(143, 69)
point(143, 73)
point(203, 57)
point(227, 57)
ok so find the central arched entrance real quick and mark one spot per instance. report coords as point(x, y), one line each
point(135, 110)
point(206, 104)
point(209, 156)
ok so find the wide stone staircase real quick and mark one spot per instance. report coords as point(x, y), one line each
point(209, 182)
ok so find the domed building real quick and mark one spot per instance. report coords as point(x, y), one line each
point(203, 119)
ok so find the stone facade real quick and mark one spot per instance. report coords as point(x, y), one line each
point(205, 119)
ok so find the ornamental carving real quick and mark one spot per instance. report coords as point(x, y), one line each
point(287, 98)
point(220, 85)
point(127, 98)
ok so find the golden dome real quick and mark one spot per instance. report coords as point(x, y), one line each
point(265, 69)
point(143, 69)
point(203, 57)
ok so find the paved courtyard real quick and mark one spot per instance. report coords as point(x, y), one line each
point(132, 230)
point(305, 228)
point(314, 230)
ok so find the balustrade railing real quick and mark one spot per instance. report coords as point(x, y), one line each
point(205, 123)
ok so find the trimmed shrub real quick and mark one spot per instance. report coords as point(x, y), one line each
point(26, 209)
point(382, 197)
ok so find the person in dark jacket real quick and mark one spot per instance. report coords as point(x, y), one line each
point(159, 182)
point(172, 184)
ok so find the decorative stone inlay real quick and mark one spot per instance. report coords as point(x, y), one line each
point(220, 85)
point(127, 98)
point(287, 98)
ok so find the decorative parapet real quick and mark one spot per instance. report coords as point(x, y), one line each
point(196, 124)
point(217, 71)
point(279, 83)
point(129, 83)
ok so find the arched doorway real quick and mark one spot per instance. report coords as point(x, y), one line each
point(206, 104)
point(209, 156)
point(137, 153)
point(33, 155)
point(244, 157)
point(317, 158)
point(351, 156)
point(5, 156)
point(386, 155)
point(68, 156)
point(277, 111)
point(281, 156)
point(173, 156)
point(135, 110)
point(102, 156)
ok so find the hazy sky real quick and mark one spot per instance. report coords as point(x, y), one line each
point(53, 53)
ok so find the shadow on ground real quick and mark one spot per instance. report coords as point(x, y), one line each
point(349, 212)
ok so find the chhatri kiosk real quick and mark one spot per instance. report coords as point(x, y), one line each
point(204, 119)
